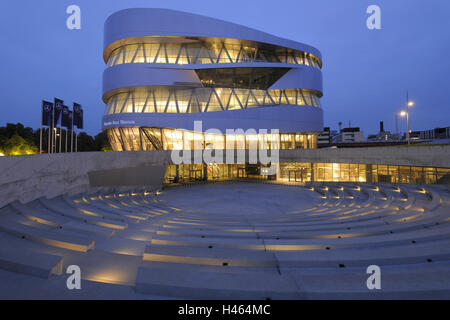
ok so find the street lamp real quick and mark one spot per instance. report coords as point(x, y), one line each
point(408, 105)
point(401, 114)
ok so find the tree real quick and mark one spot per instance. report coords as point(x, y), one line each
point(17, 145)
point(86, 142)
point(16, 139)
point(102, 142)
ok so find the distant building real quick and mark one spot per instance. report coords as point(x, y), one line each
point(325, 138)
point(383, 136)
point(434, 134)
point(349, 135)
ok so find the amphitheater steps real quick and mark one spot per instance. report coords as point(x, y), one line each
point(242, 241)
point(43, 216)
point(213, 285)
point(209, 256)
point(417, 281)
point(101, 213)
point(49, 237)
point(22, 259)
point(58, 206)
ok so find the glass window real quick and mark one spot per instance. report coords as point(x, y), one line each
point(208, 50)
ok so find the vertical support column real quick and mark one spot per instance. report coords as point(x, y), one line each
point(369, 178)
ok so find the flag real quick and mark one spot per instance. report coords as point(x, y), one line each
point(47, 113)
point(66, 118)
point(58, 109)
point(77, 116)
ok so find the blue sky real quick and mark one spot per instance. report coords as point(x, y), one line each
point(366, 72)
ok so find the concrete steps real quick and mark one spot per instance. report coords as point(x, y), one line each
point(236, 241)
point(21, 259)
point(213, 285)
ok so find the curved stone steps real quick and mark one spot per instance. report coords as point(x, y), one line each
point(102, 213)
point(59, 206)
point(253, 241)
point(21, 258)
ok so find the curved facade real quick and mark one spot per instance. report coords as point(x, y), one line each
point(168, 70)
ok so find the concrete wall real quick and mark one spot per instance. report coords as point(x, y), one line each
point(421, 156)
point(26, 178)
point(424, 156)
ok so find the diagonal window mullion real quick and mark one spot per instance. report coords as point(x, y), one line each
point(124, 103)
point(197, 56)
point(116, 58)
point(168, 101)
point(146, 102)
point(294, 57)
point(165, 53)
point(285, 95)
point(176, 100)
point(209, 54)
point(113, 106)
point(219, 55)
point(239, 100)
point(118, 136)
point(270, 97)
point(124, 55)
point(123, 139)
point(154, 101)
point(187, 54)
point(179, 54)
point(190, 101)
point(218, 99)
point(228, 55)
point(254, 97)
point(303, 97)
point(198, 102)
point(136, 53)
point(209, 100)
point(144, 53)
point(262, 55)
point(157, 53)
point(239, 54)
point(229, 99)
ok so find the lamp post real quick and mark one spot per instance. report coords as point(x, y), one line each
point(408, 105)
point(406, 113)
point(402, 114)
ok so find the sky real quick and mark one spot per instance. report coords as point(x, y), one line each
point(366, 72)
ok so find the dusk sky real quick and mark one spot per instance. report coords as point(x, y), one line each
point(366, 72)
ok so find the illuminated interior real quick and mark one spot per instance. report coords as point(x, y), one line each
point(172, 100)
point(207, 51)
point(145, 139)
point(306, 172)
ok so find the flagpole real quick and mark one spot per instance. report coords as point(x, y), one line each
point(71, 138)
point(53, 123)
point(60, 133)
point(48, 134)
point(40, 135)
point(66, 139)
point(40, 140)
